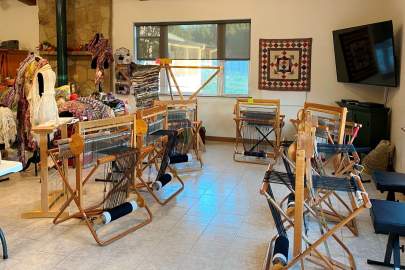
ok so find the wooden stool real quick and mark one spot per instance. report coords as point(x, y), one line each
point(388, 218)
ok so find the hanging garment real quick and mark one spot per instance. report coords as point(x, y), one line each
point(102, 56)
point(47, 109)
point(22, 96)
point(145, 84)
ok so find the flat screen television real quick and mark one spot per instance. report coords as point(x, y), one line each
point(365, 54)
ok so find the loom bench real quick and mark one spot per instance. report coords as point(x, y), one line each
point(389, 181)
point(388, 218)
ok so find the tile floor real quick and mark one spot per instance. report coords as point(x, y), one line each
point(219, 222)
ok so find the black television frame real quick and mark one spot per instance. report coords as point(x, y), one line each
point(339, 54)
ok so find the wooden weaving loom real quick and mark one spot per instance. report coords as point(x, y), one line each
point(331, 131)
point(165, 64)
point(303, 182)
point(256, 120)
point(183, 117)
point(103, 143)
point(155, 147)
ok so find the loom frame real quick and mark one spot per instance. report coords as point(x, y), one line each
point(165, 63)
point(276, 123)
point(152, 153)
point(304, 169)
point(76, 193)
point(192, 104)
point(341, 163)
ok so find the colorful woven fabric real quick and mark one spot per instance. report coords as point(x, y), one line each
point(145, 84)
point(102, 55)
point(98, 110)
point(87, 108)
point(76, 109)
point(285, 64)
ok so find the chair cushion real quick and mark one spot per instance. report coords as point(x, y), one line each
point(388, 217)
point(389, 181)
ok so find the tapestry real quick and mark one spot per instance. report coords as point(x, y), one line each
point(285, 64)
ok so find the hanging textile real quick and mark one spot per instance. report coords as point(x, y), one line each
point(145, 84)
point(102, 56)
point(22, 96)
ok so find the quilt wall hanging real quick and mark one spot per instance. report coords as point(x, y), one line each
point(285, 64)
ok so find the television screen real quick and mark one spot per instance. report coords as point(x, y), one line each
point(365, 54)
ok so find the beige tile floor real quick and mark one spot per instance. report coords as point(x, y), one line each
point(218, 222)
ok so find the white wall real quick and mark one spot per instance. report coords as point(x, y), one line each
point(19, 21)
point(397, 95)
point(270, 19)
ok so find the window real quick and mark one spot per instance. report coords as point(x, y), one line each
point(224, 43)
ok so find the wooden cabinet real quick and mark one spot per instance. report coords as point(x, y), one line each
point(374, 120)
point(10, 61)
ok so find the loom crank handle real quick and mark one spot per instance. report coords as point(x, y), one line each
point(363, 192)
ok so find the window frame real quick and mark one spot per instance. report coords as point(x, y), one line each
point(221, 46)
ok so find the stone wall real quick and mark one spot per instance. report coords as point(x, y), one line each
point(84, 19)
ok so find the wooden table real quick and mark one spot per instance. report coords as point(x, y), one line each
point(43, 131)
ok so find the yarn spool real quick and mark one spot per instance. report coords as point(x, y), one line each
point(280, 252)
point(180, 158)
point(291, 205)
point(162, 181)
point(118, 211)
point(260, 154)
